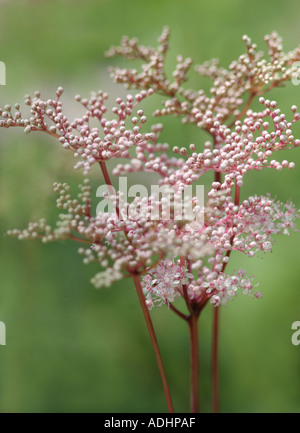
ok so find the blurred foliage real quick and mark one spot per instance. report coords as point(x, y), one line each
point(69, 347)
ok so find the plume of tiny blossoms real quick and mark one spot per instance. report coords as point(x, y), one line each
point(240, 140)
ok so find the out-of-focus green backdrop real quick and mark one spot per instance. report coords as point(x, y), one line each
point(71, 348)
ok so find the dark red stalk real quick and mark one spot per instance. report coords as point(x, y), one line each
point(154, 342)
point(108, 183)
point(194, 346)
point(194, 362)
point(184, 288)
point(215, 366)
point(215, 343)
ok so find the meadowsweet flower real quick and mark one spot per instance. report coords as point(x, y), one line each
point(90, 145)
point(170, 256)
point(164, 283)
point(227, 287)
point(242, 140)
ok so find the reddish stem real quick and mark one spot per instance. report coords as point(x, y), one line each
point(215, 342)
point(237, 195)
point(154, 342)
point(244, 110)
point(215, 366)
point(194, 348)
point(179, 313)
point(184, 288)
point(108, 183)
point(218, 176)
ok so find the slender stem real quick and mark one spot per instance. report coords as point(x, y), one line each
point(184, 288)
point(179, 313)
point(218, 176)
point(108, 183)
point(237, 195)
point(194, 347)
point(244, 110)
point(154, 342)
point(215, 366)
point(105, 173)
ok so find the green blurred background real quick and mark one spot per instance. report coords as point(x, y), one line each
point(71, 348)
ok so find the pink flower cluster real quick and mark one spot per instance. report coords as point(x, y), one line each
point(175, 258)
point(164, 283)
